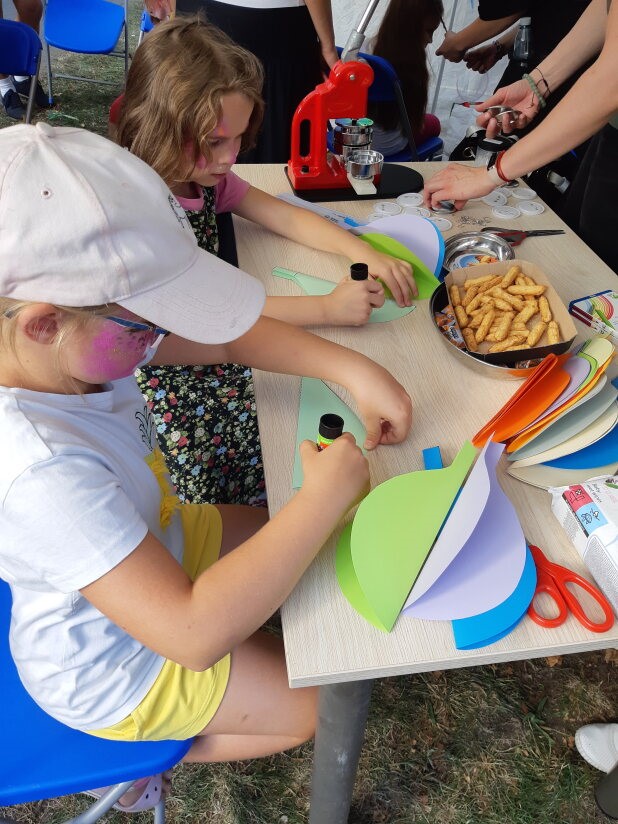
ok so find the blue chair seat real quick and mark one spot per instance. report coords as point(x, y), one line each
point(20, 53)
point(43, 758)
point(84, 26)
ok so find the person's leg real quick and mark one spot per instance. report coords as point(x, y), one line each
point(259, 714)
point(29, 12)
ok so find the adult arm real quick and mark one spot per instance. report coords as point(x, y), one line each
point(456, 43)
point(383, 403)
point(579, 115)
point(306, 227)
point(322, 19)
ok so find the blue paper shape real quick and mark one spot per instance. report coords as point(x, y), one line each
point(599, 453)
point(488, 627)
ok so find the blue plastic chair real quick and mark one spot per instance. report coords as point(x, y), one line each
point(20, 53)
point(386, 88)
point(42, 758)
point(85, 27)
point(145, 25)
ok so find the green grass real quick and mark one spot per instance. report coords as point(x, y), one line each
point(487, 745)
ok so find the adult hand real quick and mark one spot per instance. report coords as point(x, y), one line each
point(450, 48)
point(483, 59)
point(329, 54)
point(457, 183)
point(517, 96)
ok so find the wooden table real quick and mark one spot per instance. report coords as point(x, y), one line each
point(327, 643)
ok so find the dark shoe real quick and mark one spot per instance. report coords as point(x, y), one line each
point(40, 97)
point(13, 105)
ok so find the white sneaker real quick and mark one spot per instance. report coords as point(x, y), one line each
point(598, 745)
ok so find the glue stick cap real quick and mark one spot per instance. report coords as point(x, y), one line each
point(331, 426)
point(359, 271)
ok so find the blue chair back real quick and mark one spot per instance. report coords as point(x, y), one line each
point(43, 758)
point(20, 48)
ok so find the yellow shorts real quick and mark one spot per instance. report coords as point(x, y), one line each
point(181, 702)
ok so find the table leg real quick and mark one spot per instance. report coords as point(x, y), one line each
point(342, 715)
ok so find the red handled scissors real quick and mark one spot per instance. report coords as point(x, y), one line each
point(553, 579)
point(515, 236)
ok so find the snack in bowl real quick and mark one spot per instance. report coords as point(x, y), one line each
point(512, 310)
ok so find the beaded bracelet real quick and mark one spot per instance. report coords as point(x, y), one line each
point(535, 90)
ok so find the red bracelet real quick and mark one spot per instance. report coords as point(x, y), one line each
point(498, 165)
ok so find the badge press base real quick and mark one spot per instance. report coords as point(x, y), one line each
point(394, 180)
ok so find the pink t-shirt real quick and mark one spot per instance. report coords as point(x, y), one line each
point(228, 194)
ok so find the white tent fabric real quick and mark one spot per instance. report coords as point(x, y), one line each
point(457, 82)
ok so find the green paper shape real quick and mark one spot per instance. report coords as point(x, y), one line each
point(425, 279)
point(392, 534)
point(318, 286)
point(316, 399)
point(344, 567)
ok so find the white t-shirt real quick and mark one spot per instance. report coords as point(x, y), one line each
point(76, 498)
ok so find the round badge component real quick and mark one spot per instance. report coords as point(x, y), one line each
point(374, 216)
point(441, 223)
point(410, 199)
point(444, 206)
point(523, 193)
point(495, 198)
point(385, 207)
point(531, 207)
point(506, 212)
point(417, 210)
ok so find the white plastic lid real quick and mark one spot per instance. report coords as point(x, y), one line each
point(441, 223)
point(410, 199)
point(385, 207)
point(495, 198)
point(523, 193)
point(506, 212)
point(531, 207)
point(417, 210)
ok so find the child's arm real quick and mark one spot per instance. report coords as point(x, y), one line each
point(349, 304)
point(306, 227)
point(196, 623)
point(384, 405)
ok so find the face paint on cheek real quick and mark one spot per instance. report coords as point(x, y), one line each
point(113, 353)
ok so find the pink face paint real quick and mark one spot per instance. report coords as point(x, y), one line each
point(113, 352)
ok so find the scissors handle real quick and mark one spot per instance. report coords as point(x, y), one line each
point(553, 579)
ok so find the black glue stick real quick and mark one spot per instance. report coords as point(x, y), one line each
point(331, 427)
point(359, 271)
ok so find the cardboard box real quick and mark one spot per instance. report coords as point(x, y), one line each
point(558, 309)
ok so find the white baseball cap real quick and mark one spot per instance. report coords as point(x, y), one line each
point(84, 223)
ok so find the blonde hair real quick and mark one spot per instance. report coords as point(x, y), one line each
point(174, 88)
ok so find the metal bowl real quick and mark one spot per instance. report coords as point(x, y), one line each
point(363, 165)
point(471, 244)
point(477, 363)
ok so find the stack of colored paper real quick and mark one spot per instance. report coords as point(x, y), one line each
point(561, 427)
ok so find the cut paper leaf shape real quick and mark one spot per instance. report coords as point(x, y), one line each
point(316, 399)
point(533, 396)
point(588, 435)
point(580, 371)
point(479, 555)
point(426, 281)
point(574, 420)
point(605, 449)
point(489, 627)
point(318, 286)
point(415, 233)
point(392, 533)
point(544, 477)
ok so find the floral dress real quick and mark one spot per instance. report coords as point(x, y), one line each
point(205, 416)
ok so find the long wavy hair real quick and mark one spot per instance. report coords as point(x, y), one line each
point(401, 40)
point(174, 88)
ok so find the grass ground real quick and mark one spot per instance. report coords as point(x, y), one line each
point(487, 745)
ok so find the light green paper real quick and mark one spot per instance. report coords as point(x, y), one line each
point(392, 534)
point(316, 399)
point(318, 286)
point(425, 279)
point(596, 351)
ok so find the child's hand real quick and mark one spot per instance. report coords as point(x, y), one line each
point(338, 475)
point(351, 301)
point(396, 274)
point(384, 405)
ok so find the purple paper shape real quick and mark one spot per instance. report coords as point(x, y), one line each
point(489, 627)
point(483, 547)
point(578, 369)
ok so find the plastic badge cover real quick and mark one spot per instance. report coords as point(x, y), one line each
point(531, 207)
point(506, 212)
